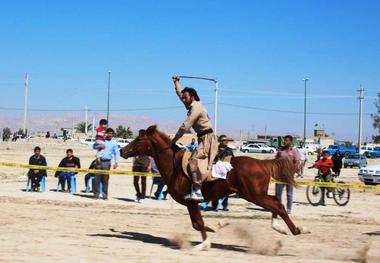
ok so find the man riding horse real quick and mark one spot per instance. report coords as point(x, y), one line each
point(200, 162)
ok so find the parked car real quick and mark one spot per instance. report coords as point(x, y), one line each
point(370, 175)
point(268, 149)
point(343, 150)
point(121, 142)
point(374, 153)
point(355, 160)
point(253, 148)
point(365, 149)
point(88, 141)
point(310, 149)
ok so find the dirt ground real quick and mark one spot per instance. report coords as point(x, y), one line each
point(64, 227)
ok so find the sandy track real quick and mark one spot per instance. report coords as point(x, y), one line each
point(50, 226)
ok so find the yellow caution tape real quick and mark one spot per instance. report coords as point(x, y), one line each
point(118, 172)
point(76, 170)
point(335, 185)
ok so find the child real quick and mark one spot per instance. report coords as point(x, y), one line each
point(100, 138)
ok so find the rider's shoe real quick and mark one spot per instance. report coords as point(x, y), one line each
point(195, 196)
point(329, 194)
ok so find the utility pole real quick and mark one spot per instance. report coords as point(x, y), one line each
point(26, 84)
point(108, 97)
point(216, 107)
point(361, 98)
point(86, 119)
point(93, 127)
point(304, 111)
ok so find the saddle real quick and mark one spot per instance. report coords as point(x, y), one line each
point(186, 168)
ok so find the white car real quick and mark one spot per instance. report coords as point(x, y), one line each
point(121, 142)
point(253, 148)
point(268, 149)
point(88, 141)
point(370, 174)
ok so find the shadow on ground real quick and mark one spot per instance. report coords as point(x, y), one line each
point(151, 239)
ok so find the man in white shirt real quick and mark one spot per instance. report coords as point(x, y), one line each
point(303, 159)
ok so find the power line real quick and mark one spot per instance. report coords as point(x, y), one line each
point(97, 110)
point(288, 111)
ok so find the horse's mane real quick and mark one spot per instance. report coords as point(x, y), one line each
point(153, 130)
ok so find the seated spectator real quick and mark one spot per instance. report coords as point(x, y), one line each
point(70, 161)
point(36, 175)
point(89, 175)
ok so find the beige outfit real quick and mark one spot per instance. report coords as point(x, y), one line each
point(202, 158)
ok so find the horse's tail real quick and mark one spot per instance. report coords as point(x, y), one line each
point(283, 170)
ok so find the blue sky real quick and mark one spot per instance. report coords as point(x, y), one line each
point(259, 50)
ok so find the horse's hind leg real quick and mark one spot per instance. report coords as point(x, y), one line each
point(198, 224)
point(253, 193)
point(274, 205)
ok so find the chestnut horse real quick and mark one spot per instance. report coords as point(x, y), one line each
point(249, 178)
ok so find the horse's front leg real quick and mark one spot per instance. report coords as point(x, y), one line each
point(198, 224)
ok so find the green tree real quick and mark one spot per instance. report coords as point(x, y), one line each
point(7, 133)
point(123, 132)
point(376, 120)
point(81, 127)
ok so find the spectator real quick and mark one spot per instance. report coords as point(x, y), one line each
point(141, 163)
point(36, 175)
point(192, 146)
point(157, 179)
point(70, 161)
point(324, 166)
point(89, 175)
point(111, 151)
point(47, 135)
point(337, 160)
point(303, 159)
point(287, 151)
point(225, 154)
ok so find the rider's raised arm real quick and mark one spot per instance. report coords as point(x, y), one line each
point(177, 85)
point(195, 111)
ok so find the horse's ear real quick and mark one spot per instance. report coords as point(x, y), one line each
point(152, 129)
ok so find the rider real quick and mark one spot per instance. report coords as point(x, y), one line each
point(197, 118)
point(324, 166)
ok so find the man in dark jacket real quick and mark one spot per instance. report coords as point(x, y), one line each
point(70, 161)
point(337, 160)
point(141, 163)
point(36, 175)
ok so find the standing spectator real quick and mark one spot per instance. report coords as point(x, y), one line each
point(157, 179)
point(70, 161)
point(141, 163)
point(287, 151)
point(192, 146)
point(225, 154)
point(111, 151)
point(36, 175)
point(100, 138)
point(303, 159)
point(337, 160)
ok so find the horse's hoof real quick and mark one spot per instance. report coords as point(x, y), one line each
point(304, 230)
point(279, 228)
point(204, 246)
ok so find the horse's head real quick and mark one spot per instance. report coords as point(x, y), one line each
point(143, 144)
